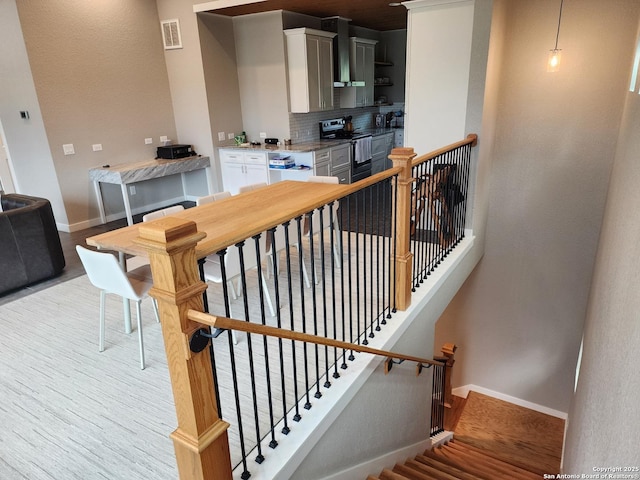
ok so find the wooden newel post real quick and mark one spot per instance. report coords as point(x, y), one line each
point(448, 350)
point(200, 441)
point(402, 157)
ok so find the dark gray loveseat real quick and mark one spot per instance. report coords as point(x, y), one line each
point(30, 247)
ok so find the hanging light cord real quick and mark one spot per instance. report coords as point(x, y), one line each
point(559, 20)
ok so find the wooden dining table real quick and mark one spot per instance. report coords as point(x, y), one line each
point(231, 220)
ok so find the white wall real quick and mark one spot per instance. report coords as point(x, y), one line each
point(518, 319)
point(262, 74)
point(605, 413)
point(26, 140)
point(438, 64)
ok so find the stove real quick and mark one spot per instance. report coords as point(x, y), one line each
point(360, 146)
point(334, 129)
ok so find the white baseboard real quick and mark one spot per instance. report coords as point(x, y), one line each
point(92, 222)
point(376, 465)
point(464, 391)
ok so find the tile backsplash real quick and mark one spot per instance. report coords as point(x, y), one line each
point(304, 126)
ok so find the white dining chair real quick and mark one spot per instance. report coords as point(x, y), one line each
point(105, 273)
point(279, 239)
point(213, 270)
point(327, 221)
point(163, 212)
point(138, 261)
point(212, 198)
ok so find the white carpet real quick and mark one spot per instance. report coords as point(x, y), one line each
point(68, 411)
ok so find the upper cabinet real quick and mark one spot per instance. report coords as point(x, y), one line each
point(361, 60)
point(310, 65)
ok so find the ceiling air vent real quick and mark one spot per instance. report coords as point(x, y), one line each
point(171, 34)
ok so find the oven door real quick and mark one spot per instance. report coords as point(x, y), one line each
point(361, 155)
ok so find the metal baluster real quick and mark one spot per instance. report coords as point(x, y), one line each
point(307, 404)
point(276, 288)
point(296, 415)
point(358, 317)
point(314, 303)
point(381, 213)
point(351, 231)
point(323, 280)
point(368, 205)
point(395, 242)
point(342, 209)
point(252, 377)
point(332, 234)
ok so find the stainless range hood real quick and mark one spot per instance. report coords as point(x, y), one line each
point(341, 67)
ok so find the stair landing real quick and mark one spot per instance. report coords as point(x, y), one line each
point(516, 434)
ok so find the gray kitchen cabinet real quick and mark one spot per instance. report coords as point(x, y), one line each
point(341, 160)
point(322, 162)
point(343, 174)
point(381, 146)
point(310, 69)
point(361, 60)
point(398, 138)
point(242, 168)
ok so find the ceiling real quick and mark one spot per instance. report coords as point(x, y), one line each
point(374, 14)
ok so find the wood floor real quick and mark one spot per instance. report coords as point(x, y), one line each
point(517, 434)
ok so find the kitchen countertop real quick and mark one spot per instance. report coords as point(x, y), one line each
point(305, 147)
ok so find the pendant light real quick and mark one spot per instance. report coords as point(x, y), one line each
point(553, 65)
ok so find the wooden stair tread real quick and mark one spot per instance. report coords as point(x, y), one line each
point(534, 472)
point(475, 466)
point(458, 472)
point(387, 474)
point(412, 474)
point(429, 470)
point(486, 463)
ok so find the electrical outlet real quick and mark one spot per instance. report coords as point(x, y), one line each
point(263, 134)
point(68, 149)
point(221, 136)
point(231, 136)
point(132, 189)
point(148, 141)
point(96, 147)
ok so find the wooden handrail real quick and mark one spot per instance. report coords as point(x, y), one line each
point(259, 329)
point(472, 139)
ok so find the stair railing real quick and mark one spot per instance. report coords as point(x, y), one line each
point(201, 439)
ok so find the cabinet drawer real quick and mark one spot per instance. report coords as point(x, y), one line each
point(378, 145)
point(340, 156)
point(255, 158)
point(230, 156)
point(343, 174)
point(322, 156)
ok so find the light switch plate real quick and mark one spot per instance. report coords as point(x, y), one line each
point(220, 136)
point(68, 149)
point(96, 147)
point(163, 138)
point(148, 141)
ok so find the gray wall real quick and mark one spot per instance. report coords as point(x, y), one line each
point(518, 319)
point(26, 140)
point(98, 82)
point(605, 413)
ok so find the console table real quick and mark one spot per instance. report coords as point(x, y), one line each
point(128, 173)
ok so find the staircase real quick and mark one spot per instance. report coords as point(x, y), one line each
point(457, 460)
point(493, 440)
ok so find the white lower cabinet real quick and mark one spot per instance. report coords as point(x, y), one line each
point(242, 168)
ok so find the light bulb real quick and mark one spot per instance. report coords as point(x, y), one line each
point(553, 65)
